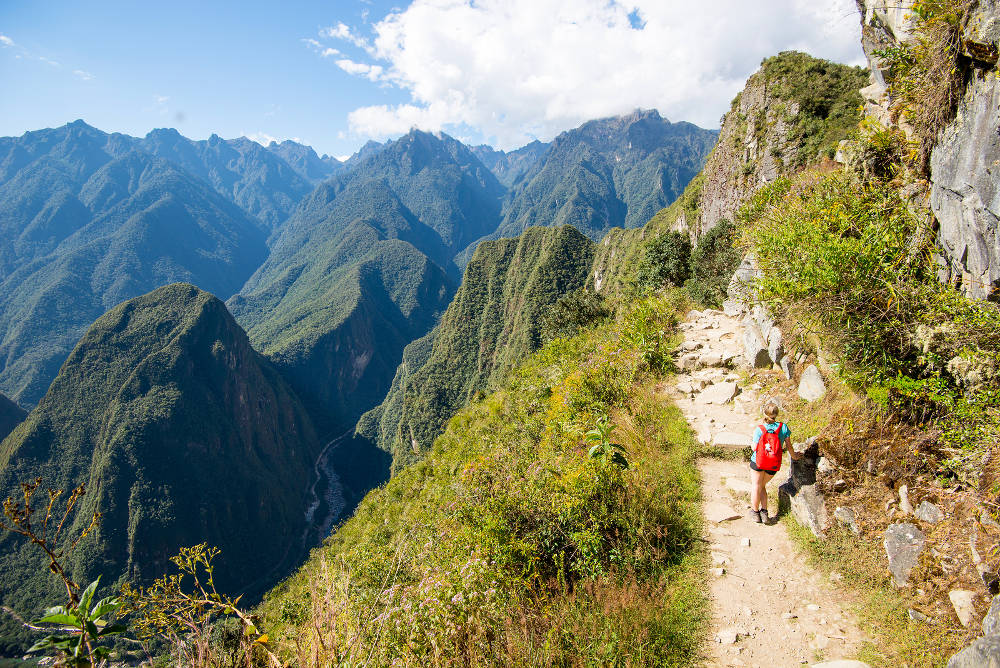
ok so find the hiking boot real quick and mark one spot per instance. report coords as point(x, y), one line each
point(764, 518)
point(754, 515)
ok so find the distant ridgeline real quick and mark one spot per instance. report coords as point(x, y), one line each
point(182, 434)
point(337, 272)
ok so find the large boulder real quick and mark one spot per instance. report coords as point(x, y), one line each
point(720, 393)
point(755, 346)
point(775, 345)
point(903, 544)
point(982, 653)
point(991, 622)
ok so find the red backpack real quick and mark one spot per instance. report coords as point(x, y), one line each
point(769, 449)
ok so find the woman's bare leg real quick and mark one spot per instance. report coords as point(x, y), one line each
point(756, 485)
point(762, 491)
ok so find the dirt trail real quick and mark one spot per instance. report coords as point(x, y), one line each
point(769, 607)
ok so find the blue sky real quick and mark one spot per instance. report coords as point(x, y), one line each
point(334, 74)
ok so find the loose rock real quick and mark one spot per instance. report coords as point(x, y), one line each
point(848, 517)
point(754, 347)
point(961, 600)
point(720, 393)
point(775, 345)
point(841, 663)
point(928, 512)
point(904, 500)
point(903, 544)
point(787, 366)
point(991, 622)
point(811, 385)
point(918, 616)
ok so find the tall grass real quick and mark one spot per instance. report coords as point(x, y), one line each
point(508, 544)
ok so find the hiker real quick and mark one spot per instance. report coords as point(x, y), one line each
point(765, 460)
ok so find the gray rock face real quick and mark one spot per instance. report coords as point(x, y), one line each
point(982, 653)
point(811, 385)
point(928, 512)
point(903, 544)
point(806, 502)
point(754, 347)
point(965, 189)
point(991, 622)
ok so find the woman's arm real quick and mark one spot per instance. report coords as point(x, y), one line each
point(791, 451)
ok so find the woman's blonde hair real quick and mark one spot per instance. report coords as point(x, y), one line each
point(770, 410)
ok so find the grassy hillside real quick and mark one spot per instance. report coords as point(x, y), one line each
point(493, 321)
point(509, 545)
point(182, 433)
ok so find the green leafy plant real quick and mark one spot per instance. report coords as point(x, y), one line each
point(713, 262)
point(80, 624)
point(602, 447)
point(80, 630)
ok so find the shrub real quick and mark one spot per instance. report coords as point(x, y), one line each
point(926, 75)
point(665, 261)
point(713, 262)
point(572, 312)
point(847, 261)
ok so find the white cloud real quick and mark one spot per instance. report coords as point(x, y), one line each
point(370, 72)
point(520, 69)
point(344, 32)
point(6, 41)
point(83, 74)
point(327, 52)
point(49, 61)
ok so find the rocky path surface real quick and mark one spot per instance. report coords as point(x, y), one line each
point(769, 607)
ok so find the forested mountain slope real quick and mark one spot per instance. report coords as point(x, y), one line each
point(254, 178)
point(613, 172)
point(83, 230)
point(182, 433)
point(493, 321)
point(351, 280)
point(11, 415)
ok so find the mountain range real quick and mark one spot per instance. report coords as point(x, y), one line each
point(179, 415)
